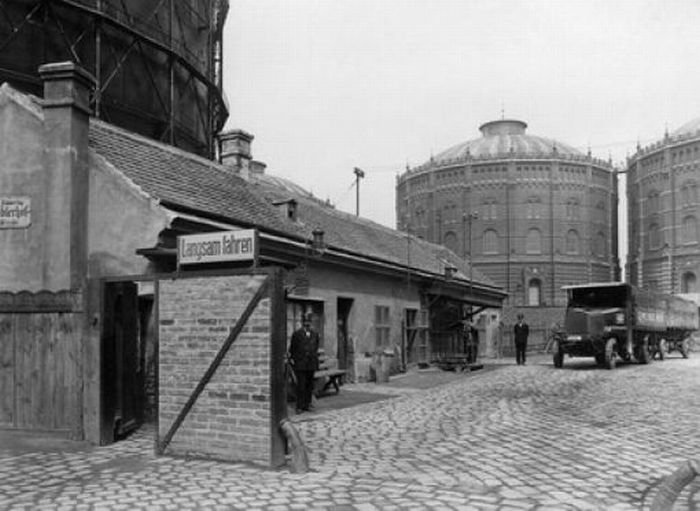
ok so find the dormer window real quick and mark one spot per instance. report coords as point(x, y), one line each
point(288, 207)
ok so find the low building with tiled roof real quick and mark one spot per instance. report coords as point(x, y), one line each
point(93, 220)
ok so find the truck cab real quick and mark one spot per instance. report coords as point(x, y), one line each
point(596, 323)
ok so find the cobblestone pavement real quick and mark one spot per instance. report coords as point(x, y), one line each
point(519, 437)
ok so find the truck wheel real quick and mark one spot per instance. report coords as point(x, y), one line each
point(642, 353)
point(663, 349)
point(600, 359)
point(610, 348)
point(685, 348)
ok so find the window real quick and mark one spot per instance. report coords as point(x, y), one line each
point(534, 208)
point(533, 242)
point(382, 326)
point(449, 212)
point(690, 230)
point(653, 202)
point(573, 209)
point(689, 194)
point(654, 236)
point(534, 292)
point(572, 242)
point(450, 241)
point(490, 242)
point(489, 209)
point(600, 245)
point(689, 283)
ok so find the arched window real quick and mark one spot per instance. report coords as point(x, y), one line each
point(489, 209)
point(534, 208)
point(534, 292)
point(573, 209)
point(689, 283)
point(490, 242)
point(533, 242)
point(654, 236)
point(449, 212)
point(690, 230)
point(653, 202)
point(450, 241)
point(572, 242)
point(600, 244)
point(689, 193)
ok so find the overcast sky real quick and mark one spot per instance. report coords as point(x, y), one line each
point(328, 85)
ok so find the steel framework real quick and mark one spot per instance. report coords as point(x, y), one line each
point(157, 63)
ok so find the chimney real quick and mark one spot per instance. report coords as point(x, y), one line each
point(234, 151)
point(66, 108)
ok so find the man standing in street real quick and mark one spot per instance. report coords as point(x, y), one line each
point(303, 355)
point(520, 331)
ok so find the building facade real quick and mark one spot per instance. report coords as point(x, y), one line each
point(91, 218)
point(663, 213)
point(531, 213)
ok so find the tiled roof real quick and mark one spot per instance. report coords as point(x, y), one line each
point(181, 178)
point(349, 232)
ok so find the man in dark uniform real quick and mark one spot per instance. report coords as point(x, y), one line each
point(520, 331)
point(303, 355)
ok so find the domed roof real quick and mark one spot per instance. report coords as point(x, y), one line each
point(689, 128)
point(503, 136)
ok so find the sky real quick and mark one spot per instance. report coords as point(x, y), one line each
point(329, 85)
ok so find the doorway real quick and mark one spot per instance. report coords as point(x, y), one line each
point(345, 347)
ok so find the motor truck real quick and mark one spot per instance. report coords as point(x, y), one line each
point(615, 321)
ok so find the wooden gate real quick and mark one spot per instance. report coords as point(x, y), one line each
point(40, 340)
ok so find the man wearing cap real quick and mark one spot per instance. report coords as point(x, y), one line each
point(303, 355)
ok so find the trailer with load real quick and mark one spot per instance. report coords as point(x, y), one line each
point(613, 321)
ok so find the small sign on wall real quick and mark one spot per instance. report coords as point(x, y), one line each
point(15, 212)
point(216, 247)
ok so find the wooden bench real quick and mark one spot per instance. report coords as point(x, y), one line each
point(335, 379)
point(327, 377)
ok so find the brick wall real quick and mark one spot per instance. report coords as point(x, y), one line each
point(231, 420)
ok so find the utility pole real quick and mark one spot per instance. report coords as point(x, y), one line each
point(359, 174)
point(470, 218)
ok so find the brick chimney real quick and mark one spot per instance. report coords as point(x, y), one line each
point(234, 151)
point(66, 108)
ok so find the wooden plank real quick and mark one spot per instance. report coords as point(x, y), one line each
point(7, 370)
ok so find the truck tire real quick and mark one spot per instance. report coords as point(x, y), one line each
point(663, 349)
point(558, 356)
point(685, 348)
point(600, 359)
point(610, 353)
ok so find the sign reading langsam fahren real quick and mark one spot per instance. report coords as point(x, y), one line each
point(216, 247)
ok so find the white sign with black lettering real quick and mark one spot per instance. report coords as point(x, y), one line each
point(216, 247)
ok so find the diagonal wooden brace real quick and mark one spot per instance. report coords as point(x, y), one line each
point(232, 336)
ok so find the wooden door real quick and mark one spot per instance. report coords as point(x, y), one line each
point(121, 390)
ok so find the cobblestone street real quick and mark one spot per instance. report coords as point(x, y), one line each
point(517, 437)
